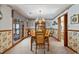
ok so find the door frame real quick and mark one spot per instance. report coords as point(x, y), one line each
point(22, 30)
point(65, 29)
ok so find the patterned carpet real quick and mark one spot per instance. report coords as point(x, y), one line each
point(56, 47)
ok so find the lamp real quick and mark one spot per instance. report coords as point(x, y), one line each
point(1, 15)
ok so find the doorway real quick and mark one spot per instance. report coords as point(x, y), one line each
point(22, 30)
point(16, 31)
point(62, 29)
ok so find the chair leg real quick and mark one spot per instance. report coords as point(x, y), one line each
point(48, 44)
point(31, 44)
point(44, 48)
point(36, 49)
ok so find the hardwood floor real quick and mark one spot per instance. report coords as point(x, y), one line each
point(56, 47)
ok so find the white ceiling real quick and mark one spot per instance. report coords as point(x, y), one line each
point(47, 11)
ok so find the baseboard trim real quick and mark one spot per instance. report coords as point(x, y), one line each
point(55, 38)
point(66, 46)
point(72, 49)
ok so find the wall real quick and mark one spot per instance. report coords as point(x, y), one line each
point(48, 23)
point(55, 27)
point(55, 33)
point(22, 21)
point(5, 28)
point(26, 28)
point(31, 23)
point(73, 29)
point(73, 10)
point(5, 40)
point(6, 22)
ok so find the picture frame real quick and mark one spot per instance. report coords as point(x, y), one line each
point(54, 23)
point(75, 19)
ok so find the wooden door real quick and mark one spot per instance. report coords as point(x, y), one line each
point(65, 30)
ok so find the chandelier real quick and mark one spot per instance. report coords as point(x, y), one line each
point(40, 19)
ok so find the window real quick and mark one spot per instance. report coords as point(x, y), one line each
point(17, 28)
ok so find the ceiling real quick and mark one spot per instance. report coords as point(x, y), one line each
point(48, 11)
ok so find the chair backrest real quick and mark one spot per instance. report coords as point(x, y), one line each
point(47, 33)
point(32, 32)
point(40, 38)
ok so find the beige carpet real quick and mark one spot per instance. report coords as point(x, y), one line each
point(56, 47)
